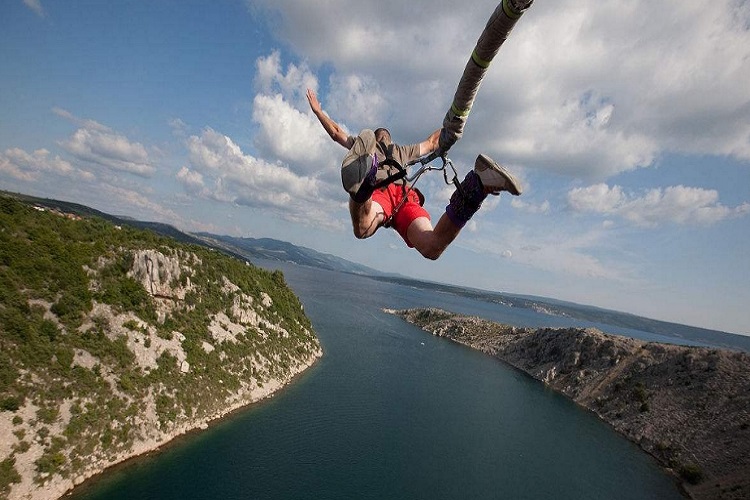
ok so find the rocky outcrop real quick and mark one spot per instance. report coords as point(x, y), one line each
point(134, 370)
point(689, 407)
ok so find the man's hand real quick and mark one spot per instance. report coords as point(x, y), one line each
point(313, 100)
point(430, 144)
point(334, 130)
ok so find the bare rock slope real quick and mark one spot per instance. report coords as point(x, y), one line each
point(688, 407)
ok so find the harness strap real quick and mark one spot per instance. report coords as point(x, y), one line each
point(406, 187)
point(388, 222)
point(400, 174)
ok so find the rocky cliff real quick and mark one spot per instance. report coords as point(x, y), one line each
point(688, 407)
point(113, 341)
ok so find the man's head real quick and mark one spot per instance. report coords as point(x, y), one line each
point(383, 135)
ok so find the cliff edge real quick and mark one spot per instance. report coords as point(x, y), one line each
point(689, 407)
point(113, 341)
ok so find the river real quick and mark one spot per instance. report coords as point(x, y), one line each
point(391, 412)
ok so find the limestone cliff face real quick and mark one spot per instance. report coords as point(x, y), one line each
point(114, 341)
point(688, 407)
point(160, 274)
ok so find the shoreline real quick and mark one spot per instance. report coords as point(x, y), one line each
point(147, 449)
point(688, 408)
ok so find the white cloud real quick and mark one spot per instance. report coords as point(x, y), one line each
point(530, 207)
point(377, 35)
point(588, 88)
point(285, 132)
point(226, 174)
point(36, 6)
point(295, 137)
point(676, 204)
point(30, 167)
point(192, 180)
point(99, 144)
point(357, 99)
point(110, 150)
point(270, 78)
point(80, 122)
point(12, 169)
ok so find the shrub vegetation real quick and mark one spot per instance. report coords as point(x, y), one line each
point(55, 352)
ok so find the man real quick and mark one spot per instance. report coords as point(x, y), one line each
point(400, 205)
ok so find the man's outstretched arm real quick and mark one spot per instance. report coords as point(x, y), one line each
point(330, 126)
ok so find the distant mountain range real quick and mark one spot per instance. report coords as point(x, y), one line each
point(244, 248)
point(274, 250)
point(270, 249)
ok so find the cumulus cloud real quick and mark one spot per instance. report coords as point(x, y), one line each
point(357, 99)
point(386, 39)
point(110, 150)
point(287, 130)
point(289, 135)
point(98, 144)
point(12, 169)
point(223, 172)
point(626, 92)
point(192, 180)
point(587, 88)
point(675, 204)
point(530, 207)
point(29, 167)
point(271, 79)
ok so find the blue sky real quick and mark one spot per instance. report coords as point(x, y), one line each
point(628, 125)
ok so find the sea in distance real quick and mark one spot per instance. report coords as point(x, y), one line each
point(391, 412)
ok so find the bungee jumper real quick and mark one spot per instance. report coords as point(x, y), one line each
point(374, 171)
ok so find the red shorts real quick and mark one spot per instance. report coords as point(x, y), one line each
point(390, 198)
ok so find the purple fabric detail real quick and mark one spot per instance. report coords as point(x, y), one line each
point(454, 217)
point(368, 183)
point(473, 189)
point(372, 174)
point(463, 206)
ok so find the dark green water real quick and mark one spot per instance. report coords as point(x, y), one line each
point(391, 412)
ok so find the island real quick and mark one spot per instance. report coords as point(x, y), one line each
point(689, 407)
point(115, 340)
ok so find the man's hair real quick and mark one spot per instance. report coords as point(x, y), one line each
point(383, 135)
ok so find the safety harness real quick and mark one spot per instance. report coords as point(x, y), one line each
point(401, 173)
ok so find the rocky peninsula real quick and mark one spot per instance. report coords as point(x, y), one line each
point(688, 407)
point(114, 341)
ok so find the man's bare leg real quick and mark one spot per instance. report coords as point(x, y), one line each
point(367, 217)
point(488, 177)
point(432, 242)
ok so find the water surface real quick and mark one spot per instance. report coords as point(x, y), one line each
point(391, 412)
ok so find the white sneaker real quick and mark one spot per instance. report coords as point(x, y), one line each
point(495, 178)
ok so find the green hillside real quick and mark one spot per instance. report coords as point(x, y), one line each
point(113, 340)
